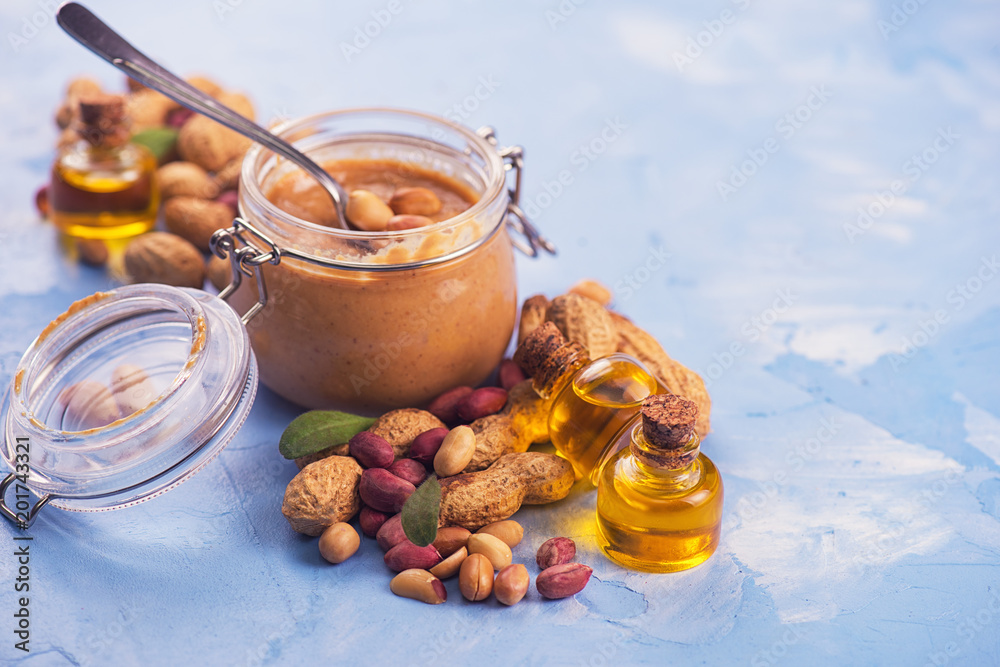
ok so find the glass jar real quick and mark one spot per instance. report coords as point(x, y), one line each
point(202, 378)
point(371, 321)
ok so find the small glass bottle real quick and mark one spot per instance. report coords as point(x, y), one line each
point(103, 186)
point(591, 400)
point(659, 500)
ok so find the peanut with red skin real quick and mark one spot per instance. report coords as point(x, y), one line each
point(406, 556)
point(412, 471)
point(425, 446)
point(556, 551)
point(391, 533)
point(93, 252)
point(481, 403)
point(371, 521)
point(562, 581)
point(443, 407)
point(383, 491)
point(370, 450)
point(510, 374)
point(230, 198)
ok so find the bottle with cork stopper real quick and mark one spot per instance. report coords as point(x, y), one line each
point(591, 399)
point(103, 186)
point(659, 499)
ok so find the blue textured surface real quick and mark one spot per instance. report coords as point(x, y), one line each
point(862, 521)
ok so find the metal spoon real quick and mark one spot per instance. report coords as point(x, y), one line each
point(81, 24)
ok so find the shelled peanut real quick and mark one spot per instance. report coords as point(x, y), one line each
point(407, 208)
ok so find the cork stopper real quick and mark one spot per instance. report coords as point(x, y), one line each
point(668, 430)
point(103, 120)
point(545, 354)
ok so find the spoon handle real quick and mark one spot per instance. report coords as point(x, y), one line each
point(81, 24)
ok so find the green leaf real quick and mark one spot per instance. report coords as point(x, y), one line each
point(159, 140)
point(316, 430)
point(421, 511)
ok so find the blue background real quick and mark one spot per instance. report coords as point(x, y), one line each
point(858, 436)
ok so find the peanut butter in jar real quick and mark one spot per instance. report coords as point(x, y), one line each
point(370, 321)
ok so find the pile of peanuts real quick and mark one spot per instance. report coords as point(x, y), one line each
point(481, 560)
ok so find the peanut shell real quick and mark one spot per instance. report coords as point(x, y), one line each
point(322, 494)
point(675, 376)
point(159, 257)
point(584, 321)
point(532, 314)
point(185, 178)
point(400, 427)
point(592, 290)
point(472, 500)
point(196, 219)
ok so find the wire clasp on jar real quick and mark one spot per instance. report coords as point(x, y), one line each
point(247, 260)
point(22, 514)
point(513, 160)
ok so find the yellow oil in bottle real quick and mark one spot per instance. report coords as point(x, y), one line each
point(104, 196)
point(590, 409)
point(655, 519)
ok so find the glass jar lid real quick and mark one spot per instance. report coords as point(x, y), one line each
point(124, 396)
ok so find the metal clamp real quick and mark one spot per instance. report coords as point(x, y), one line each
point(20, 517)
point(247, 260)
point(513, 159)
